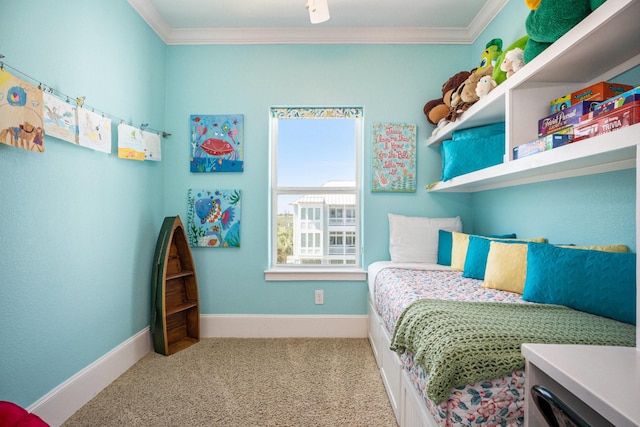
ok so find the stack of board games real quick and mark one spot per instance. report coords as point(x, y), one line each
point(618, 112)
point(573, 110)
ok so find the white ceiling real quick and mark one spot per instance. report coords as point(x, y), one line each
point(287, 21)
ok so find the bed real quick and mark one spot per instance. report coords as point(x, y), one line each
point(397, 285)
point(393, 286)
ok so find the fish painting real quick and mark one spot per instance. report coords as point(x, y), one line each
point(214, 218)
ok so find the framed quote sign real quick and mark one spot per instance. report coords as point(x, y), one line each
point(394, 157)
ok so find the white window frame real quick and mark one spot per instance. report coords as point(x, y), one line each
point(301, 272)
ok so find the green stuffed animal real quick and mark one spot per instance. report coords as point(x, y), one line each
point(551, 19)
point(500, 75)
point(490, 54)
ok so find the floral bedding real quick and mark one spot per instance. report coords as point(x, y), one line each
point(494, 402)
point(396, 288)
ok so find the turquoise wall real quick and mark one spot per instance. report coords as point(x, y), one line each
point(591, 210)
point(78, 227)
point(392, 83)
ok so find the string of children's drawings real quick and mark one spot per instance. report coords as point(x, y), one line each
point(29, 111)
point(79, 101)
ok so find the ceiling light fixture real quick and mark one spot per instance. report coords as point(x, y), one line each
point(318, 11)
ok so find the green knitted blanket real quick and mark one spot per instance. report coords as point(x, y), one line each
point(460, 343)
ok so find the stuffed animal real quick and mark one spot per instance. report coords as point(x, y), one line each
point(437, 109)
point(465, 96)
point(551, 19)
point(491, 52)
point(468, 93)
point(485, 85)
point(513, 61)
point(498, 75)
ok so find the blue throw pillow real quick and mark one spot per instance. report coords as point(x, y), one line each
point(475, 262)
point(445, 242)
point(472, 149)
point(597, 282)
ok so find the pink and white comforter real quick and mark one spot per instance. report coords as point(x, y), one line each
point(494, 402)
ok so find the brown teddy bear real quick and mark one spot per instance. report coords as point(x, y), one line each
point(438, 109)
point(465, 95)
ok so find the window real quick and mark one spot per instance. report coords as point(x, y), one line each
point(335, 239)
point(351, 216)
point(315, 187)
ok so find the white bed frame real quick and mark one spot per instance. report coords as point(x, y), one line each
point(409, 408)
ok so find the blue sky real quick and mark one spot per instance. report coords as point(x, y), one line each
point(314, 151)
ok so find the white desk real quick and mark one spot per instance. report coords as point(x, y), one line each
point(606, 379)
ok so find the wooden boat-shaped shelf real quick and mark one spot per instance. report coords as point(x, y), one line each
point(175, 311)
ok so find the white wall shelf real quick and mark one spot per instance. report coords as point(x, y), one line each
point(594, 50)
point(601, 47)
point(605, 153)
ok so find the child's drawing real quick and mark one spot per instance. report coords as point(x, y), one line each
point(94, 130)
point(21, 122)
point(60, 119)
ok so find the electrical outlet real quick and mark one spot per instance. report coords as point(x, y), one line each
point(319, 297)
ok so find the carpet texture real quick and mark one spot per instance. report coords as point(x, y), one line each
point(247, 382)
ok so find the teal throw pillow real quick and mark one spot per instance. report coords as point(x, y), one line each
point(479, 132)
point(472, 149)
point(596, 282)
point(445, 245)
point(475, 262)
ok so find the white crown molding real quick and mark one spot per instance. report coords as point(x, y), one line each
point(151, 16)
point(485, 16)
point(317, 35)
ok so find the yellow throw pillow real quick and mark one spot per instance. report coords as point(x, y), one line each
point(506, 267)
point(459, 246)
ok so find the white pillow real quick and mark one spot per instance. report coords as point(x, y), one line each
point(415, 239)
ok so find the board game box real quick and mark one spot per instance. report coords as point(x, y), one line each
point(609, 122)
point(597, 92)
point(563, 118)
point(541, 144)
point(617, 101)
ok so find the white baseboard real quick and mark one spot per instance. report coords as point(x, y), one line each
point(283, 326)
point(63, 401)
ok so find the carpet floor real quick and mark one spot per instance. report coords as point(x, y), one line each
point(247, 382)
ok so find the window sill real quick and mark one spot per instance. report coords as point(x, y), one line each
point(311, 274)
